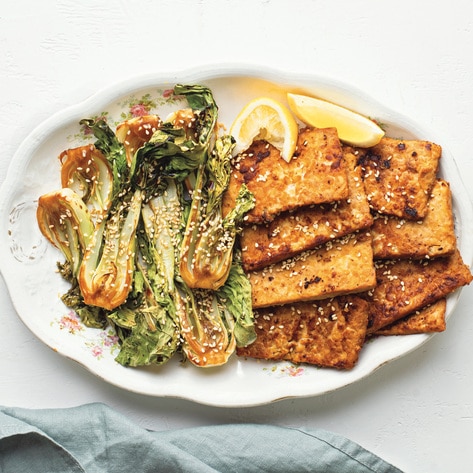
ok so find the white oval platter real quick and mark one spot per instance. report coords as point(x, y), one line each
point(28, 262)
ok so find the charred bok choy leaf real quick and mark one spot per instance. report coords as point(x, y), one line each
point(207, 247)
point(148, 324)
point(235, 294)
point(108, 143)
point(178, 147)
point(135, 132)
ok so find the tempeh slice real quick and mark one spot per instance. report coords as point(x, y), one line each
point(405, 286)
point(426, 320)
point(316, 174)
point(399, 176)
point(340, 267)
point(431, 237)
point(328, 333)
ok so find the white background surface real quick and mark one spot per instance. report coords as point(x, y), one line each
point(415, 57)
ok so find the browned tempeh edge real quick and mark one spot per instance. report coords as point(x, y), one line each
point(425, 320)
point(404, 286)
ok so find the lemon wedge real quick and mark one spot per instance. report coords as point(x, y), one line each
point(267, 119)
point(352, 128)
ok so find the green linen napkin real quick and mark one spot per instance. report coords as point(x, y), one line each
point(94, 438)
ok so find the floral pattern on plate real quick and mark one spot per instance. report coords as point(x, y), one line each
point(285, 370)
point(105, 340)
point(132, 107)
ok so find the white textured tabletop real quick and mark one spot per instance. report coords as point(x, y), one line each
point(414, 57)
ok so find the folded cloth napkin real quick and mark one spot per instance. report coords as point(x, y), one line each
point(94, 438)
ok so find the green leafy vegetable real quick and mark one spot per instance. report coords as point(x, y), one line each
point(106, 272)
point(65, 221)
point(150, 329)
point(112, 149)
point(207, 248)
point(135, 132)
point(206, 327)
point(177, 149)
point(91, 316)
point(235, 294)
point(87, 171)
point(214, 323)
point(147, 324)
point(147, 249)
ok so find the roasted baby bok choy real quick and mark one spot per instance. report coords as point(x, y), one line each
point(106, 272)
point(65, 221)
point(206, 327)
point(87, 171)
point(147, 249)
point(207, 248)
point(147, 324)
